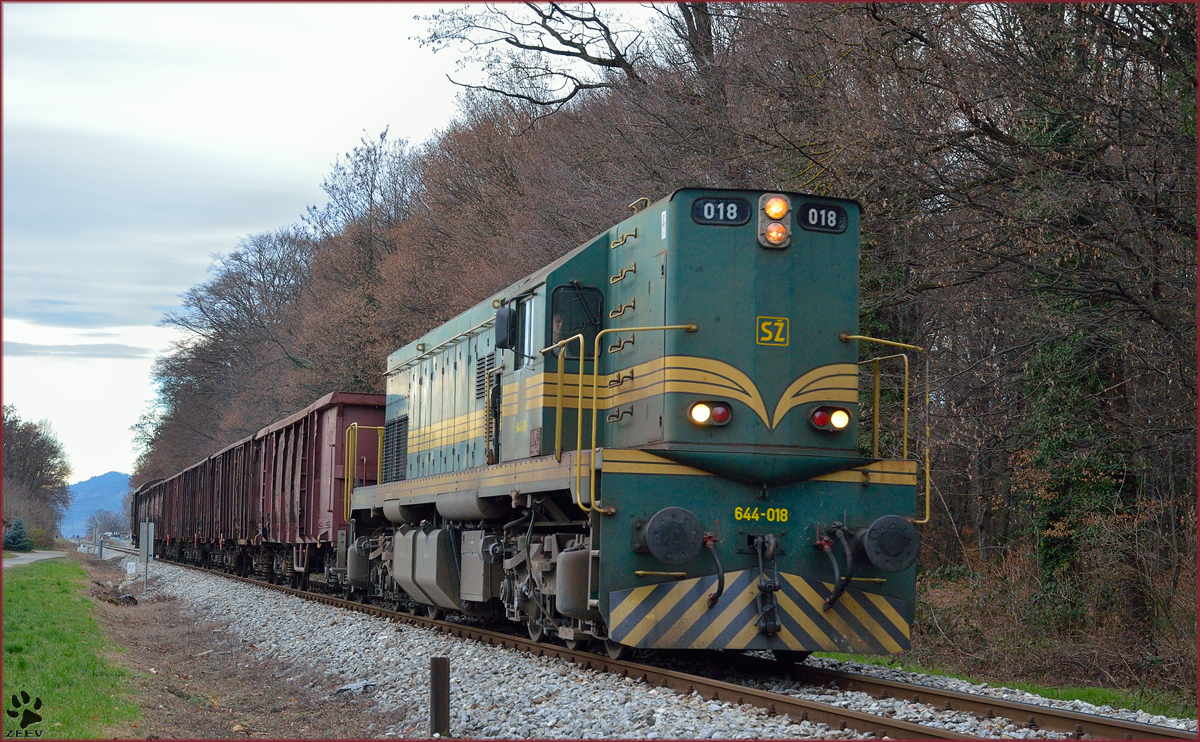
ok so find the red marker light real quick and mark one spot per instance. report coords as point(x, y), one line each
point(720, 414)
point(820, 417)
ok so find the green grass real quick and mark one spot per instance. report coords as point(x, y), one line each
point(1148, 700)
point(9, 554)
point(54, 650)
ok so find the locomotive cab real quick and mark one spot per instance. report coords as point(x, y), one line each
point(766, 354)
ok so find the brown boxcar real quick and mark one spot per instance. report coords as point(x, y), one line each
point(301, 460)
point(270, 502)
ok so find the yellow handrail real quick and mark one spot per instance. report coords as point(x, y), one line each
point(875, 410)
point(350, 462)
point(558, 358)
point(845, 338)
point(561, 345)
point(596, 396)
point(487, 416)
point(875, 415)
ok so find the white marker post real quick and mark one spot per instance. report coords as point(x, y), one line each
point(146, 550)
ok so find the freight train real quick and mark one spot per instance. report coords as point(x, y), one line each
point(652, 442)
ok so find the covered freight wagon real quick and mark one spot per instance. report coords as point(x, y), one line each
point(274, 502)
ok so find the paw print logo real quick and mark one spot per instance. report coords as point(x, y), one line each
point(19, 708)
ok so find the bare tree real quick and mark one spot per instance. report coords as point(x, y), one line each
point(107, 521)
point(40, 516)
point(544, 54)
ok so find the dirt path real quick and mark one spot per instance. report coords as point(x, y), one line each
point(30, 557)
point(192, 681)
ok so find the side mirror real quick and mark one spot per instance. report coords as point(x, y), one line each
point(506, 328)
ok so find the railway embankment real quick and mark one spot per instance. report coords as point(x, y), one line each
point(328, 653)
point(495, 692)
point(191, 679)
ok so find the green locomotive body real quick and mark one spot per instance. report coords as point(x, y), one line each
point(694, 482)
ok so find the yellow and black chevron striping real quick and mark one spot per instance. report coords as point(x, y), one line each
point(676, 615)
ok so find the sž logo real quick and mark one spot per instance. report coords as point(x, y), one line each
point(25, 708)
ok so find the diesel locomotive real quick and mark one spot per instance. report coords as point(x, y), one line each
point(652, 442)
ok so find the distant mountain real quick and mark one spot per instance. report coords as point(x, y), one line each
point(106, 492)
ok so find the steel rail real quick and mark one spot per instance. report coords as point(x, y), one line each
point(1031, 716)
point(126, 550)
point(775, 703)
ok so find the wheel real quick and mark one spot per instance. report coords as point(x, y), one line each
point(434, 613)
point(536, 632)
point(576, 645)
point(617, 651)
point(790, 656)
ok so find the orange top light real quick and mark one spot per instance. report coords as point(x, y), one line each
point(776, 233)
point(701, 412)
point(839, 419)
point(776, 207)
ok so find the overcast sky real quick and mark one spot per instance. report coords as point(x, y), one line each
point(141, 139)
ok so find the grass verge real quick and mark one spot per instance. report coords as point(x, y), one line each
point(54, 650)
point(1149, 700)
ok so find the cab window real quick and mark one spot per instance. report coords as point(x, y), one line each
point(576, 309)
point(527, 345)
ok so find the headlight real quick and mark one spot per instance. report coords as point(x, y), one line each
point(776, 207)
point(774, 220)
point(776, 233)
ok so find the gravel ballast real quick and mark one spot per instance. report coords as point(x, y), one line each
point(498, 692)
point(1008, 694)
point(494, 692)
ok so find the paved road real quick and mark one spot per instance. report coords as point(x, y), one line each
point(32, 556)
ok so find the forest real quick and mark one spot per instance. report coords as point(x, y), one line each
point(1028, 182)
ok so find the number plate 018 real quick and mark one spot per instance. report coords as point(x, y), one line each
point(728, 212)
point(822, 218)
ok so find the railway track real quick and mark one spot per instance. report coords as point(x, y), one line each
point(127, 550)
point(1032, 716)
point(1072, 723)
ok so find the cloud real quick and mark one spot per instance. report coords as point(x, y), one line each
point(92, 350)
point(102, 230)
